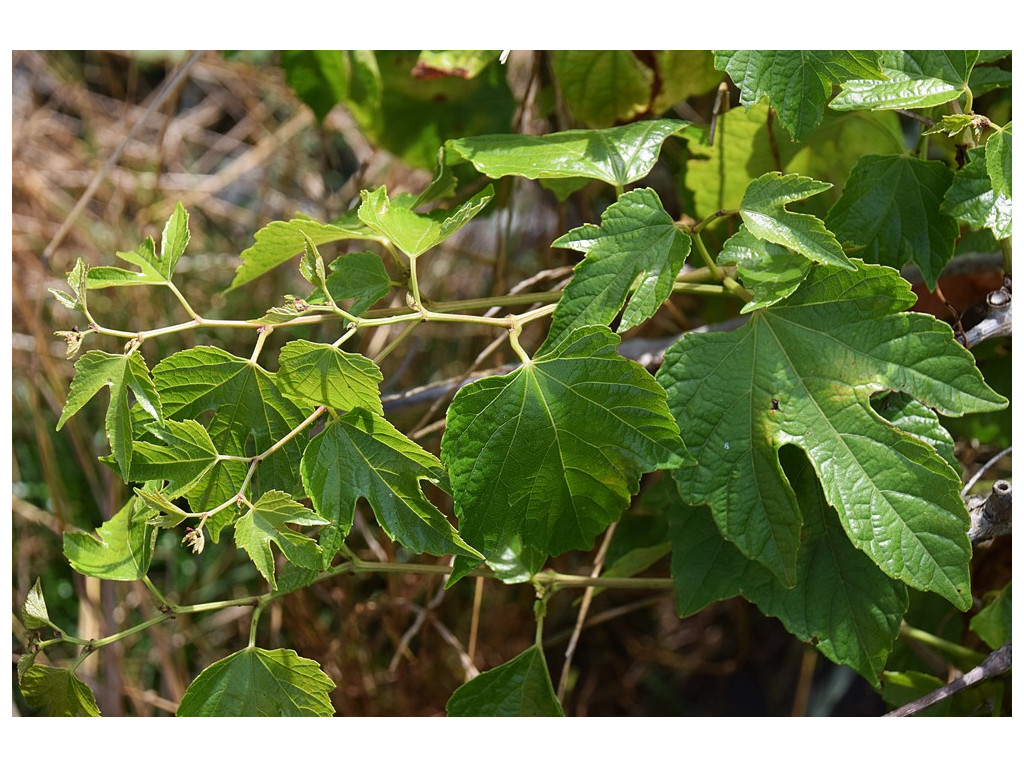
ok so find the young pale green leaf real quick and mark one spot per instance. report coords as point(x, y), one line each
point(770, 272)
point(115, 277)
point(120, 550)
point(250, 415)
point(319, 78)
point(78, 280)
point(951, 125)
point(994, 622)
point(464, 64)
point(266, 522)
point(279, 241)
point(185, 456)
point(359, 276)
point(414, 233)
point(362, 455)
point(258, 683)
point(764, 212)
point(907, 414)
point(145, 258)
point(617, 156)
point(312, 375)
point(545, 458)
point(160, 511)
point(602, 88)
point(999, 161)
point(890, 212)
point(311, 265)
point(58, 693)
point(635, 254)
point(518, 688)
point(971, 199)
point(33, 613)
point(895, 90)
point(802, 373)
point(174, 240)
point(124, 374)
point(797, 83)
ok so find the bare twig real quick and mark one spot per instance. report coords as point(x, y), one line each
point(981, 472)
point(996, 663)
point(991, 516)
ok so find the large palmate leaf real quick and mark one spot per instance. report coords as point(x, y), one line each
point(520, 687)
point(259, 683)
point(797, 83)
point(124, 374)
point(267, 521)
point(910, 80)
point(636, 253)
point(764, 212)
point(58, 693)
point(279, 241)
point(802, 372)
point(890, 212)
point(314, 374)
point(414, 233)
point(545, 458)
point(841, 601)
point(250, 414)
point(618, 156)
point(120, 550)
point(973, 201)
point(362, 456)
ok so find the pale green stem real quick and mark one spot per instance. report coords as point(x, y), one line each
point(953, 649)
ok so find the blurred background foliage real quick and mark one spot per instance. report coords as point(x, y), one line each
point(245, 138)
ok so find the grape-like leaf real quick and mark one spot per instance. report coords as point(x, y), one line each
point(185, 456)
point(618, 156)
point(802, 372)
point(123, 374)
point(520, 687)
point(770, 272)
point(890, 212)
point(314, 374)
point(545, 458)
point(973, 201)
point(279, 241)
point(636, 253)
point(797, 83)
point(258, 683)
point(764, 212)
point(363, 455)
point(414, 233)
point(359, 276)
point(120, 550)
point(58, 693)
point(266, 522)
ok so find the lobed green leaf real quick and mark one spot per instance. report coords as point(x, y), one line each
point(973, 201)
point(266, 522)
point(120, 550)
point(58, 693)
point(520, 687)
point(312, 374)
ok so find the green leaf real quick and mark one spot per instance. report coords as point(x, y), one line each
point(363, 455)
point(78, 280)
point(683, 74)
point(617, 156)
point(258, 683)
point(518, 688)
point(33, 613)
point(999, 161)
point(951, 125)
point(319, 78)
point(279, 241)
point(120, 550)
point(803, 373)
point(58, 693)
point(360, 276)
point(266, 522)
point(907, 414)
point(994, 622)
point(890, 212)
point(249, 416)
point(895, 90)
point(797, 83)
point(770, 272)
point(123, 374)
point(184, 458)
point(602, 88)
point(951, 66)
point(635, 254)
point(464, 64)
point(545, 458)
point(173, 241)
point(115, 277)
point(314, 374)
point(971, 199)
point(414, 233)
point(764, 212)
point(311, 265)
